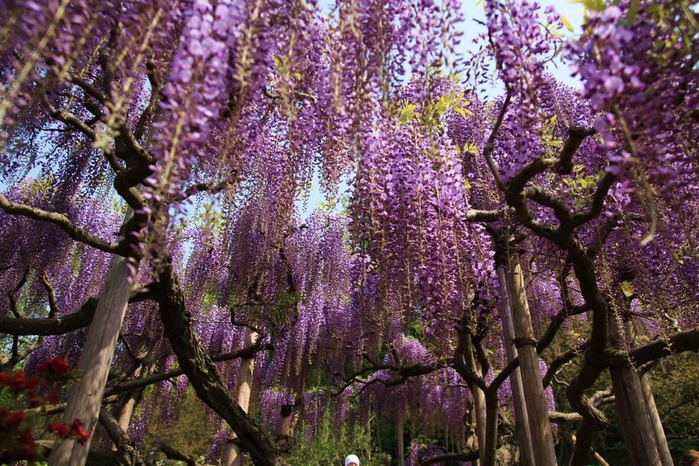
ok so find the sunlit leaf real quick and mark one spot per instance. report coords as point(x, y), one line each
point(566, 23)
point(464, 112)
point(627, 288)
point(633, 11)
point(592, 5)
point(407, 113)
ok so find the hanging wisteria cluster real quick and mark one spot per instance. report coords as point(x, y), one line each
point(639, 69)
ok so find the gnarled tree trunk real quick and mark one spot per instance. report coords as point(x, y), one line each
point(202, 373)
point(634, 418)
point(485, 402)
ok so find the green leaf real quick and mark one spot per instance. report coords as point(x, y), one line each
point(567, 24)
point(471, 148)
point(633, 11)
point(592, 5)
point(407, 113)
point(464, 112)
point(627, 288)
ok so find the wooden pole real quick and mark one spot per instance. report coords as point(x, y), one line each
point(232, 455)
point(85, 395)
point(284, 432)
point(537, 411)
point(518, 398)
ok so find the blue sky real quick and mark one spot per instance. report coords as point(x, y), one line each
point(572, 11)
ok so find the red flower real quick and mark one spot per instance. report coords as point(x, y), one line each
point(11, 420)
point(34, 400)
point(16, 417)
point(28, 441)
point(4, 378)
point(31, 383)
point(59, 429)
point(54, 366)
point(17, 382)
point(77, 430)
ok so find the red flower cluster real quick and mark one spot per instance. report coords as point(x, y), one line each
point(59, 429)
point(75, 430)
point(16, 440)
point(10, 420)
point(55, 366)
point(17, 381)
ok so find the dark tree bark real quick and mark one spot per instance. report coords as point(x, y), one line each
point(121, 387)
point(634, 418)
point(126, 452)
point(202, 373)
point(173, 454)
point(468, 367)
point(50, 326)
